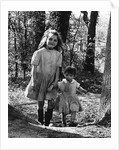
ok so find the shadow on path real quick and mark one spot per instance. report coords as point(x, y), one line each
point(21, 126)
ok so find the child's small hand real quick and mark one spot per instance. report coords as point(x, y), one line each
point(33, 83)
point(60, 114)
point(50, 88)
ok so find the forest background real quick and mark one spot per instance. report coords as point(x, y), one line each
point(86, 46)
point(19, 96)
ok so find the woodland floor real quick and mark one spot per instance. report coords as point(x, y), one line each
point(22, 118)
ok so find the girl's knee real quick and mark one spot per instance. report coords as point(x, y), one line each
point(50, 104)
point(40, 104)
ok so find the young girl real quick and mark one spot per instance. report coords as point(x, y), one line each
point(45, 74)
point(69, 101)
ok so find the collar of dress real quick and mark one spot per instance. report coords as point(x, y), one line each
point(65, 81)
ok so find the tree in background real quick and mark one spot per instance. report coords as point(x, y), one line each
point(85, 17)
point(75, 40)
point(59, 20)
point(39, 26)
point(105, 99)
point(12, 40)
point(90, 54)
point(27, 28)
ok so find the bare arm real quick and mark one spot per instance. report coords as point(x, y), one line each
point(57, 76)
point(54, 84)
point(33, 73)
point(82, 90)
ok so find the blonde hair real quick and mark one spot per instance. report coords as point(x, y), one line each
point(45, 36)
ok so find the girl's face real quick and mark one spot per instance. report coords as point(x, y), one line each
point(69, 77)
point(52, 41)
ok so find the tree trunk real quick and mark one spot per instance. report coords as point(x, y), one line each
point(59, 20)
point(92, 27)
point(39, 26)
point(16, 70)
point(90, 54)
point(72, 50)
point(24, 52)
point(85, 17)
point(105, 99)
point(16, 64)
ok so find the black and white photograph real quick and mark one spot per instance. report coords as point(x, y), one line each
point(59, 59)
point(59, 74)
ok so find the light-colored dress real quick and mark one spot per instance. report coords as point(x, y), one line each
point(69, 101)
point(47, 61)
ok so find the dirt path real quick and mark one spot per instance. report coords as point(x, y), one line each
point(23, 129)
point(22, 122)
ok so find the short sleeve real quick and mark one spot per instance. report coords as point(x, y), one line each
point(59, 62)
point(35, 58)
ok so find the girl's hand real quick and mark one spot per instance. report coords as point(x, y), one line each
point(33, 83)
point(50, 88)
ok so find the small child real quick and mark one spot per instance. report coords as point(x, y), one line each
point(69, 101)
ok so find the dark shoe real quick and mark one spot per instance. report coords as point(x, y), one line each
point(40, 116)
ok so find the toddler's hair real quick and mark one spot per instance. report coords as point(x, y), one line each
point(70, 70)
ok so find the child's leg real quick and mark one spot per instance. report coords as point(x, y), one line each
point(49, 112)
point(40, 111)
point(72, 120)
point(73, 116)
point(64, 119)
